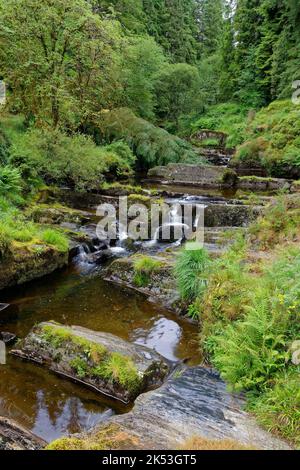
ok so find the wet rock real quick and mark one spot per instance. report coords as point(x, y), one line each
point(192, 403)
point(159, 285)
point(263, 184)
point(230, 215)
point(28, 263)
point(15, 437)
point(100, 361)
point(8, 338)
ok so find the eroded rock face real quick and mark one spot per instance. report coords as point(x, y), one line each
point(100, 361)
point(29, 263)
point(15, 437)
point(193, 403)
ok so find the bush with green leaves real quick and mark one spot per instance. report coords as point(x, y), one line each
point(230, 118)
point(75, 160)
point(251, 351)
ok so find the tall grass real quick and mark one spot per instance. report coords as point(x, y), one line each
point(190, 273)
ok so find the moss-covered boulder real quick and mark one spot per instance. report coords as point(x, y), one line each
point(28, 261)
point(150, 275)
point(100, 361)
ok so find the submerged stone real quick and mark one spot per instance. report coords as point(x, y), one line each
point(100, 361)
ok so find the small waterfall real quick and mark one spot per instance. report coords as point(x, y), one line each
point(175, 222)
point(84, 252)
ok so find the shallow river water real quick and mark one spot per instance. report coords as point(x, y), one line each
point(52, 407)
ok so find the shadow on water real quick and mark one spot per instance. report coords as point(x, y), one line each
point(52, 407)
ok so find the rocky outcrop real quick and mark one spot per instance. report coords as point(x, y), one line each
point(214, 177)
point(256, 183)
point(205, 134)
point(194, 402)
point(159, 285)
point(15, 437)
point(57, 214)
point(26, 263)
point(103, 362)
point(188, 175)
point(230, 215)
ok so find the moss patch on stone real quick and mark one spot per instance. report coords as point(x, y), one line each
point(108, 438)
point(93, 360)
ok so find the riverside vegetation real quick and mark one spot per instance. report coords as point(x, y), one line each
point(247, 304)
point(98, 90)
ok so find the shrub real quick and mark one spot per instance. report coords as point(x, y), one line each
point(74, 160)
point(226, 117)
point(252, 153)
point(279, 222)
point(190, 273)
point(56, 239)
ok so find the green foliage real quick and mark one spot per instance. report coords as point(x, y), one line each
point(229, 118)
point(76, 160)
point(279, 223)
point(177, 94)
point(190, 273)
point(143, 59)
point(278, 408)
point(272, 140)
point(56, 239)
point(252, 347)
point(60, 59)
point(251, 351)
point(10, 183)
point(144, 267)
point(152, 145)
point(174, 26)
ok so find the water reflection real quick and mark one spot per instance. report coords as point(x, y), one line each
point(50, 406)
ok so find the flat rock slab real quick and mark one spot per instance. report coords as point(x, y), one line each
point(15, 437)
point(195, 403)
point(100, 361)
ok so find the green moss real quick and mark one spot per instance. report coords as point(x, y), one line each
point(56, 239)
point(255, 179)
point(93, 359)
point(107, 438)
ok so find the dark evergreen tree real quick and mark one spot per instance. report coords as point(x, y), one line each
point(209, 21)
point(172, 22)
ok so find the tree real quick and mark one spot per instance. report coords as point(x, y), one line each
point(142, 60)
point(177, 94)
point(173, 25)
point(59, 59)
point(209, 20)
point(128, 12)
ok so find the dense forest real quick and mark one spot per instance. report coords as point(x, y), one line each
point(98, 91)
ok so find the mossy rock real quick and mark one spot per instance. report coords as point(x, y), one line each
point(100, 361)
